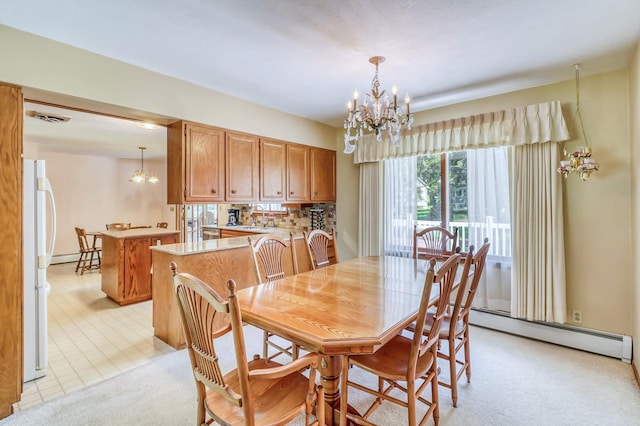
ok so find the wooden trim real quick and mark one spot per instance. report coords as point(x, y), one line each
point(104, 114)
point(635, 372)
point(11, 288)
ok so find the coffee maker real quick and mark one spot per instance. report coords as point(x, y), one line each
point(234, 217)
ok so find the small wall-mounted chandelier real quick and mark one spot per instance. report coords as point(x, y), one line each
point(578, 161)
point(139, 176)
point(379, 116)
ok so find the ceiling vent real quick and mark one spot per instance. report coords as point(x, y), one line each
point(48, 117)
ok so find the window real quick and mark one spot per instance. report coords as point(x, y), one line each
point(464, 189)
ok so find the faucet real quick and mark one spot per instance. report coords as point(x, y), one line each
point(257, 206)
point(272, 219)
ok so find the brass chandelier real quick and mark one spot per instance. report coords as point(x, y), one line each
point(376, 114)
point(579, 161)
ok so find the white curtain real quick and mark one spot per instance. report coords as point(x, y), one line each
point(370, 233)
point(538, 291)
point(400, 205)
point(537, 123)
point(489, 217)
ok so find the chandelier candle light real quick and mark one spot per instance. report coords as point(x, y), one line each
point(139, 176)
point(379, 116)
point(579, 161)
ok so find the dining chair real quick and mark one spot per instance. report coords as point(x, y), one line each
point(162, 225)
point(268, 253)
point(317, 242)
point(88, 253)
point(434, 241)
point(455, 327)
point(118, 226)
point(255, 392)
point(409, 359)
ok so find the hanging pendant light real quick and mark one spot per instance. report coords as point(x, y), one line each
point(139, 176)
point(579, 161)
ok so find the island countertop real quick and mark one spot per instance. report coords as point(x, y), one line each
point(137, 232)
point(186, 248)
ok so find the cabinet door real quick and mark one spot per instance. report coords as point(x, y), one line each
point(242, 154)
point(204, 164)
point(297, 173)
point(323, 175)
point(272, 170)
point(137, 269)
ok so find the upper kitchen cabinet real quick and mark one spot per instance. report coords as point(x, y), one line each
point(195, 163)
point(323, 175)
point(272, 170)
point(297, 173)
point(242, 167)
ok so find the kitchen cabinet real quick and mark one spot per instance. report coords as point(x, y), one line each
point(195, 163)
point(297, 172)
point(242, 167)
point(126, 262)
point(323, 175)
point(273, 167)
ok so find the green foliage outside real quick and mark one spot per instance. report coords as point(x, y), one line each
point(429, 187)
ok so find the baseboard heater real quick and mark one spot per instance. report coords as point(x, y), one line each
point(65, 258)
point(612, 345)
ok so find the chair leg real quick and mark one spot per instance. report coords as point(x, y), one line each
point(411, 401)
point(467, 354)
point(265, 345)
point(78, 264)
point(434, 393)
point(453, 370)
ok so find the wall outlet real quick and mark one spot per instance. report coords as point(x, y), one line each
point(576, 316)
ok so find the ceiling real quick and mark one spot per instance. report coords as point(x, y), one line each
point(306, 57)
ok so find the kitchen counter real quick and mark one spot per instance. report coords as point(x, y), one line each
point(224, 243)
point(126, 262)
point(138, 232)
point(214, 262)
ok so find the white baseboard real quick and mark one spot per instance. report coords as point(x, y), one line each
point(65, 258)
point(613, 345)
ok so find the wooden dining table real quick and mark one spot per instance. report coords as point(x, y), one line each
point(353, 307)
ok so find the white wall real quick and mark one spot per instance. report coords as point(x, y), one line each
point(93, 191)
point(634, 107)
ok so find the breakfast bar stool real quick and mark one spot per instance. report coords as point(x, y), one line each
point(88, 253)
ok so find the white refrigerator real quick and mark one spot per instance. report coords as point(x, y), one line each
point(38, 211)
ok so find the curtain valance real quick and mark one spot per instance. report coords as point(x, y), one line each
point(524, 125)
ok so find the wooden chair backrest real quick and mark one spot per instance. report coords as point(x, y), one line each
point(268, 253)
point(119, 226)
point(162, 224)
point(478, 263)
point(317, 242)
point(205, 317)
point(462, 291)
point(444, 277)
point(83, 243)
point(434, 241)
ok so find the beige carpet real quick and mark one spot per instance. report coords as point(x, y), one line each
point(515, 381)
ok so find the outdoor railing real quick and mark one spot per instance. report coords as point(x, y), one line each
point(499, 235)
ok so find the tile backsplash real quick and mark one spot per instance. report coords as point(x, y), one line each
point(323, 214)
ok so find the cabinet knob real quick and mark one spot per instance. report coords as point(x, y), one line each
point(315, 193)
point(213, 191)
point(278, 192)
point(233, 191)
point(291, 193)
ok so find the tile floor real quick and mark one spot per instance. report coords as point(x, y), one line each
point(91, 338)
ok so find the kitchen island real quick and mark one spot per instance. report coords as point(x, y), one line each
point(126, 262)
point(214, 262)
